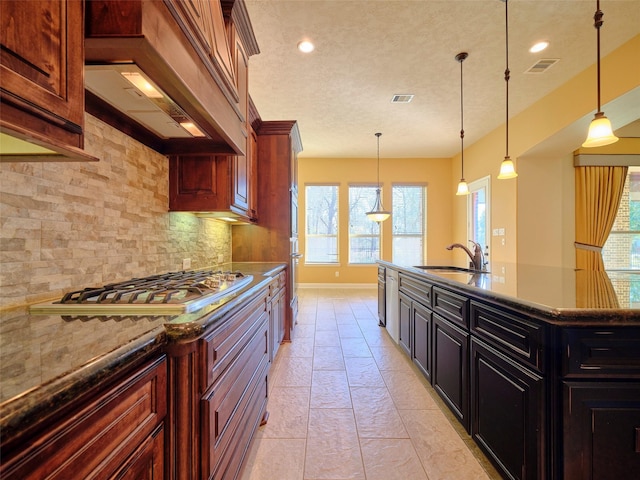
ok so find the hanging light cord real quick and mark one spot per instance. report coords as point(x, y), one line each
point(597, 22)
point(461, 59)
point(507, 73)
point(378, 135)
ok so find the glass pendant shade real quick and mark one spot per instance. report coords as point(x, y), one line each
point(463, 188)
point(600, 132)
point(378, 214)
point(507, 169)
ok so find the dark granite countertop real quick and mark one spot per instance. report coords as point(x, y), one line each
point(558, 295)
point(46, 360)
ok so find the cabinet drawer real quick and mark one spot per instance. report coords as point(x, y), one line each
point(224, 343)
point(593, 352)
point(226, 401)
point(96, 438)
point(520, 338)
point(451, 306)
point(418, 290)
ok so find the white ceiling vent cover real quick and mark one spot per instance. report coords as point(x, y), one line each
point(401, 98)
point(542, 65)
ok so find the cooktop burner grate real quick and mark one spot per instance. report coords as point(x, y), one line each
point(165, 294)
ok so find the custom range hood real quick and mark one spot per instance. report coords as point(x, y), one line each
point(197, 74)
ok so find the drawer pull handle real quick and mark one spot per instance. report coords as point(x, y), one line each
point(637, 439)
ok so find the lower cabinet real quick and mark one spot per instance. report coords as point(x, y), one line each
point(508, 419)
point(117, 432)
point(277, 317)
point(404, 325)
point(450, 374)
point(601, 434)
point(218, 392)
point(421, 338)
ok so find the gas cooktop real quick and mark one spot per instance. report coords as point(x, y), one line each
point(171, 293)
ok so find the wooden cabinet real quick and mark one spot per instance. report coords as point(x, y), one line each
point(213, 184)
point(278, 313)
point(601, 434)
point(115, 432)
point(41, 76)
point(275, 239)
point(601, 398)
point(450, 373)
point(421, 338)
point(218, 392)
point(508, 414)
point(404, 324)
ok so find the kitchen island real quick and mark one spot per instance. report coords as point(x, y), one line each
point(109, 394)
point(540, 365)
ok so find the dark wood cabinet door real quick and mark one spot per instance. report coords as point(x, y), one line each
point(508, 413)
point(41, 70)
point(421, 335)
point(450, 371)
point(404, 330)
point(601, 430)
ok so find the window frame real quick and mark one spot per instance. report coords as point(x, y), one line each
point(351, 236)
point(423, 235)
point(307, 235)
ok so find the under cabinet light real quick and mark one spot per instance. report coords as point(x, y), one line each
point(142, 84)
point(192, 129)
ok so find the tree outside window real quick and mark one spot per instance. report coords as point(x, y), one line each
point(321, 224)
point(408, 224)
point(364, 234)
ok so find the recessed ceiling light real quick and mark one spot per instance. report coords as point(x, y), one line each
point(538, 47)
point(306, 46)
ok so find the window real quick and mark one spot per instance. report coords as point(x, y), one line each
point(408, 224)
point(622, 249)
point(364, 234)
point(321, 224)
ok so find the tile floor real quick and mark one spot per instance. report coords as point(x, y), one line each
point(346, 403)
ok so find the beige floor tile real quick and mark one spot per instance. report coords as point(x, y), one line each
point(349, 330)
point(288, 409)
point(346, 318)
point(327, 358)
point(355, 347)
point(375, 335)
point(376, 416)
point(363, 372)
point(293, 372)
point(267, 462)
point(442, 452)
point(333, 450)
point(327, 338)
point(392, 459)
point(329, 389)
point(407, 390)
point(326, 324)
point(299, 347)
point(389, 358)
point(305, 330)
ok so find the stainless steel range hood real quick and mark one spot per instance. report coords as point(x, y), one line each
point(126, 88)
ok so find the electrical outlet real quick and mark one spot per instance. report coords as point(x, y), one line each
point(337, 274)
point(220, 258)
point(186, 263)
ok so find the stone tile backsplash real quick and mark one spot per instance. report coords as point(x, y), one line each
point(68, 225)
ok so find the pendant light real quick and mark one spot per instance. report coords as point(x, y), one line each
point(507, 169)
point(463, 188)
point(600, 132)
point(378, 214)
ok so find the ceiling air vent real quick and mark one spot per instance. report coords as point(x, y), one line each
point(401, 98)
point(542, 65)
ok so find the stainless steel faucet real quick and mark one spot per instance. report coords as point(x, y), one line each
point(477, 257)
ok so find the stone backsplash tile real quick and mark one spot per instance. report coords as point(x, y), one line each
point(68, 225)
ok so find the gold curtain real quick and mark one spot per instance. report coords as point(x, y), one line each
point(598, 194)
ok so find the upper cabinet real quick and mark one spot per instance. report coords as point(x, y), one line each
point(41, 80)
point(171, 74)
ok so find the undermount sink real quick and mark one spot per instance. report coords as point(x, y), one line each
point(448, 269)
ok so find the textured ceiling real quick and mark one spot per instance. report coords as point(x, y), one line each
point(368, 51)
